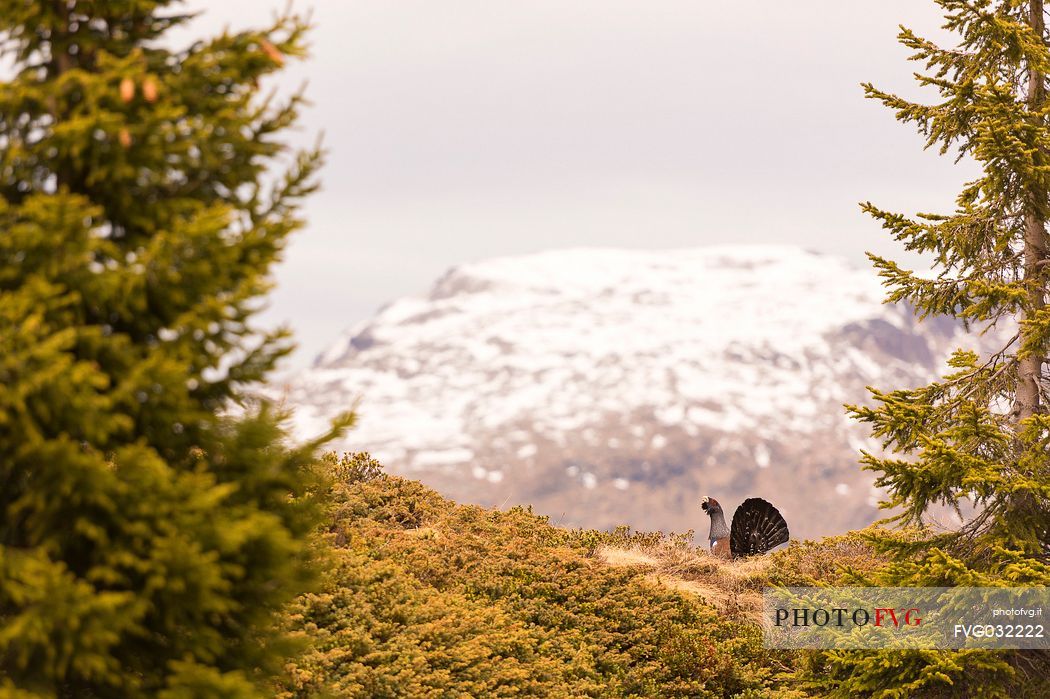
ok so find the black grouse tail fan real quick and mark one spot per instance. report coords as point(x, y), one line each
point(757, 528)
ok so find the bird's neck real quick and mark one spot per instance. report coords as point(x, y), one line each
point(719, 530)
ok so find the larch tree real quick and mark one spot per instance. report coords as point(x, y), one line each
point(977, 440)
point(147, 539)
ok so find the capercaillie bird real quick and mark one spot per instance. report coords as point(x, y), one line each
point(757, 528)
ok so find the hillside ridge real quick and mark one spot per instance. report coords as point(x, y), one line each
point(429, 598)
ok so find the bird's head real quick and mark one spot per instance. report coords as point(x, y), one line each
point(710, 505)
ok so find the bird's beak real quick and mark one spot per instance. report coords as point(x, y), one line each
point(703, 503)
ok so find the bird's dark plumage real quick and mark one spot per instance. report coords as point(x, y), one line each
point(757, 528)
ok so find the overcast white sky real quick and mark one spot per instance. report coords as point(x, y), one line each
point(463, 130)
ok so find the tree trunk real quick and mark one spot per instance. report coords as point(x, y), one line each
point(1027, 401)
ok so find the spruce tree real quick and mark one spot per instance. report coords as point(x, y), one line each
point(977, 440)
point(146, 539)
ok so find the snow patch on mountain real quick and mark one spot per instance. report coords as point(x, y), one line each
point(626, 361)
point(726, 337)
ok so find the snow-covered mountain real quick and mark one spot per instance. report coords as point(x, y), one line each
point(614, 386)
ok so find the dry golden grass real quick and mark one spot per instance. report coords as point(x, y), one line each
point(621, 558)
point(734, 587)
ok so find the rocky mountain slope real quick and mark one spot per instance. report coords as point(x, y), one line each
point(610, 386)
